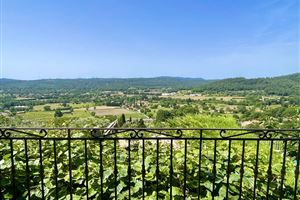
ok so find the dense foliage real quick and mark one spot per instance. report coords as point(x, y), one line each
point(60, 176)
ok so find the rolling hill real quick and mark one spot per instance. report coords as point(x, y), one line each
point(281, 85)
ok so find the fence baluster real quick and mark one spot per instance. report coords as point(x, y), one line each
point(270, 169)
point(129, 171)
point(143, 168)
point(242, 170)
point(13, 173)
point(1, 196)
point(115, 167)
point(70, 163)
point(157, 168)
point(55, 169)
point(185, 170)
point(27, 169)
point(256, 169)
point(101, 168)
point(199, 166)
point(41, 168)
point(214, 169)
point(171, 167)
point(283, 169)
point(228, 168)
point(86, 169)
point(297, 172)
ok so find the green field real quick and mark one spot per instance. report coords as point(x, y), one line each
point(41, 116)
point(45, 116)
point(54, 106)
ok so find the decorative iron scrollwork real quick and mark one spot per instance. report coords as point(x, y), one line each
point(259, 134)
point(135, 133)
point(4, 133)
point(7, 133)
point(262, 134)
point(223, 133)
point(265, 135)
point(178, 132)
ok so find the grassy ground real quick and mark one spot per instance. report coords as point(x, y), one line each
point(111, 110)
point(135, 115)
point(44, 116)
point(54, 106)
point(38, 116)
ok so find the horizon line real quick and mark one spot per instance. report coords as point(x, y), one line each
point(141, 77)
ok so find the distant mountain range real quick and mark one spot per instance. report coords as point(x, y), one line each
point(104, 83)
point(281, 85)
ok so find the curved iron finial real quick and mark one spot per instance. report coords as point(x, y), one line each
point(5, 133)
point(43, 131)
point(96, 133)
point(221, 133)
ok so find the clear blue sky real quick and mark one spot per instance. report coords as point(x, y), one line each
point(146, 38)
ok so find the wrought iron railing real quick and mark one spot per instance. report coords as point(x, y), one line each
point(149, 163)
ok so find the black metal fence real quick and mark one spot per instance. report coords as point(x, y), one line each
point(149, 163)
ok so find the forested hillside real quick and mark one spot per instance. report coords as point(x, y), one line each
point(282, 85)
point(103, 83)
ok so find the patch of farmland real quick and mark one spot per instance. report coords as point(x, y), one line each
point(110, 110)
point(53, 106)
